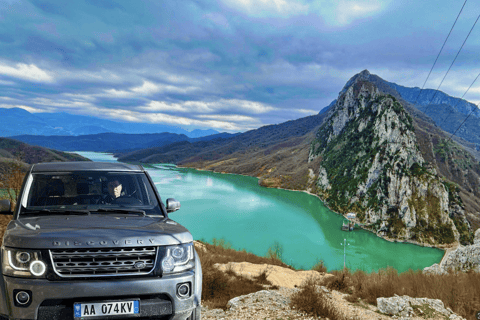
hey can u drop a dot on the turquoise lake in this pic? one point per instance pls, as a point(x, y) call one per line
point(235, 208)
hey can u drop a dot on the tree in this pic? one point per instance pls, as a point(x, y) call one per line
point(12, 173)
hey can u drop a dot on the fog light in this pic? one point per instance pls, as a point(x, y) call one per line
point(22, 297)
point(183, 290)
point(37, 268)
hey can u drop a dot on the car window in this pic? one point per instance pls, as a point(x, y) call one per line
point(91, 191)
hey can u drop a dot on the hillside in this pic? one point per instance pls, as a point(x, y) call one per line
point(404, 167)
point(275, 152)
point(111, 142)
point(371, 164)
point(15, 150)
point(444, 111)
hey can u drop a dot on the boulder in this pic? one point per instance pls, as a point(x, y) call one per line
point(476, 240)
point(405, 307)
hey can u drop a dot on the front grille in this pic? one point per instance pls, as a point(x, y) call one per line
point(71, 263)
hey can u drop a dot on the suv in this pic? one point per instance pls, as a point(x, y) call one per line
point(92, 240)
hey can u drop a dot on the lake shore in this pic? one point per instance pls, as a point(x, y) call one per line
point(445, 247)
point(337, 225)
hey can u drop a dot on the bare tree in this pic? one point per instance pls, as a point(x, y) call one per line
point(12, 172)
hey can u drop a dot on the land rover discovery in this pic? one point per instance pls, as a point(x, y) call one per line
point(93, 240)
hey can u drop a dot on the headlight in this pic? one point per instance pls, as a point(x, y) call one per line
point(23, 263)
point(178, 258)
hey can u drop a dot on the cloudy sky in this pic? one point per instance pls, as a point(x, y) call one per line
point(230, 65)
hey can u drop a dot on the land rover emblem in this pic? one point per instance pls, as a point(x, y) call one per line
point(139, 265)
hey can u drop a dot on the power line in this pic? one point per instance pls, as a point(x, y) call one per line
point(458, 101)
point(426, 108)
point(463, 122)
point(439, 53)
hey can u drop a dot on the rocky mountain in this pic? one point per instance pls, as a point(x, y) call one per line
point(66, 124)
point(372, 164)
point(370, 152)
point(447, 112)
point(432, 98)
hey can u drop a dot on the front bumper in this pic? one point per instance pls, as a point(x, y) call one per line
point(54, 300)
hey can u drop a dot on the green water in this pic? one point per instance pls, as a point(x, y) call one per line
point(235, 208)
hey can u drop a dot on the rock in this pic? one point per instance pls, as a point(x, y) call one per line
point(476, 240)
point(463, 258)
point(434, 269)
point(371, 137)
point(404, 307)
point(395, 306)
point(235, 302)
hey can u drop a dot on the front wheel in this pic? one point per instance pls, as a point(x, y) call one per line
point(196, 314)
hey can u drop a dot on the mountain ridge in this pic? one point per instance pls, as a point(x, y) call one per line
point(62, 123)
point(111, 141)
point(278, 155)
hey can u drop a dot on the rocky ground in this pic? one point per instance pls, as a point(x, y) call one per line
point(275, 303)
point(459, 258)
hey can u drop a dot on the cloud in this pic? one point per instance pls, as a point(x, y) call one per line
point(348, 11)
point(61, 103)
point(29, 72)
point(334, 13)
point(232, 105)
point(28, 108)
point(224, 124)
point(233, 118)
point(146, 89)
point(268, 7)
point(307, 111)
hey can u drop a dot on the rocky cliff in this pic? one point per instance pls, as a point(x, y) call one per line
point(370, 152)
point(371, 164)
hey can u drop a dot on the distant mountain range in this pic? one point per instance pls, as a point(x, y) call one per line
point(370, 151)
point(112, 142)
point(447, 112)
point(17, 121)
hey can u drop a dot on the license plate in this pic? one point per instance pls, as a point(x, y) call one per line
point(107, 308)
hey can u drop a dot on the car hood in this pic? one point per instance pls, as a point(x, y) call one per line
point(93, 231)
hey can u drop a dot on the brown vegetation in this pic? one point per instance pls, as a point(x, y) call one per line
point(12, 173)
point(458, 291)
point(312, 300)
point(219, 287)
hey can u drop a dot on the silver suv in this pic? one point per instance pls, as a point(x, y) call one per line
point(93, 240)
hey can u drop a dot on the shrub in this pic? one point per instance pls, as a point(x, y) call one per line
point(340, 281)
point(312, 300)
point(320, 267)
point(219, 287)
point(458, 291)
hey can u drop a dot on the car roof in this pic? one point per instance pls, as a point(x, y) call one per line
point(85, 166)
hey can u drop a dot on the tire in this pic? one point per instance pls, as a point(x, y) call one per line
point(196, 314)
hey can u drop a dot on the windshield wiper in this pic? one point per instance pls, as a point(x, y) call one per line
point(56, 211)
point(119, 210)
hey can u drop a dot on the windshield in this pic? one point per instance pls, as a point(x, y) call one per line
point(90, 192)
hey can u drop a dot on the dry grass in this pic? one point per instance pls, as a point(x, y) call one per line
point(320, 267)
point(219, 287)
point(313, 300)
point(458, 291)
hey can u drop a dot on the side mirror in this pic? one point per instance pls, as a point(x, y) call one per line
point(172, 205)
point(5, 207)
